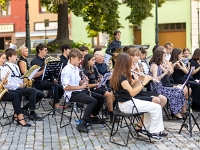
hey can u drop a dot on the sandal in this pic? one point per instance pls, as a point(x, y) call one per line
point(139, 128)
point(162, 134)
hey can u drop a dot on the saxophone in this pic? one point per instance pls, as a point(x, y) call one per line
point(3, 82)
point(50, 59)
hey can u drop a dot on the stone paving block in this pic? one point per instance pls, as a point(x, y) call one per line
point(47, 134)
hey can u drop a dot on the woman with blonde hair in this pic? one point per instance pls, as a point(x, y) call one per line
point(23, 62)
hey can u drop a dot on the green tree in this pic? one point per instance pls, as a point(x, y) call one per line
point(101, 15)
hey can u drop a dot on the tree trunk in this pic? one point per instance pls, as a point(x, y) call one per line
point(63, 29)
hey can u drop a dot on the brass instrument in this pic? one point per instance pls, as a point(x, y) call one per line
point(50, 59)
point(3, 82)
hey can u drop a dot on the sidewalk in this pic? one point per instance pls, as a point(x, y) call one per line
point(47, 134)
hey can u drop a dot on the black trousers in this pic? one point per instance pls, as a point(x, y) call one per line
point(93, 103)
point(58, 89)
point(34, 96)
point(14, 97)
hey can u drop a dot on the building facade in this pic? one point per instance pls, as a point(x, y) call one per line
point(177, 21)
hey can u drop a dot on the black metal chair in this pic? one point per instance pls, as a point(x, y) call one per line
point(43, 103)
point(75, 107)
point(131, 117)
point(5, 115)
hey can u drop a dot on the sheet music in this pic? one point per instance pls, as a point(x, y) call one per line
point(107, 58)
point(52, 69)
point(31, 72)
point(104, 79)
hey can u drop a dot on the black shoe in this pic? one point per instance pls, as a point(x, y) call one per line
point(23, 125)
point(117, 119)
point(95, 120)
point(35, 116)
point(82, 127)
point(26, 113)
point(79, 105)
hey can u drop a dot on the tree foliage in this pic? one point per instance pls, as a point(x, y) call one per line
point(140, 10)
point(101, 15)
point(3, 4)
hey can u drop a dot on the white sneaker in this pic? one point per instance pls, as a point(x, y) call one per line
point(143, 133)
point(155, 137)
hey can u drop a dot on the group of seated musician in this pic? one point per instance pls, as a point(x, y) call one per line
point(129, 73)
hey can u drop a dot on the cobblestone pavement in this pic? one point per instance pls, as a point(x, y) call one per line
point(47, 135)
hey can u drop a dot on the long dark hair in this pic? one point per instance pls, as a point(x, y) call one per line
point(157, 57)
point(87, 58)
point(196, 54)
point(122, 66)
point(175, 53)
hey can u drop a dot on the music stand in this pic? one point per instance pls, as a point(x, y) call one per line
point(52, 71)
point(189, 114)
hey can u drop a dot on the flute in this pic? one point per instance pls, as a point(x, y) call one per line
point(141, 74)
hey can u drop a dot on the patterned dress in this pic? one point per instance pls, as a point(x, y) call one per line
point(175, 96)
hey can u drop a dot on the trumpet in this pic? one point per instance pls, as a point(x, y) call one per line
point(143, 75)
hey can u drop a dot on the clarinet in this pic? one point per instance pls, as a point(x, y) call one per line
point(99, 75)
point(85, 80)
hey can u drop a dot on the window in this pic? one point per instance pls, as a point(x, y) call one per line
point(6, 12)
point(172, 27)
point(100, 40)
point(42, 9)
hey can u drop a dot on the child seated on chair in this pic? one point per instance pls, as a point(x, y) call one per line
point(76, 90)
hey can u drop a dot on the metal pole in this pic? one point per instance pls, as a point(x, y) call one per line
point(28, 45)
point(198, 27)
point(156, 37)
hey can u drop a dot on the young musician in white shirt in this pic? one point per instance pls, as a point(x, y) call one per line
point(76, 90)
point(16, 83)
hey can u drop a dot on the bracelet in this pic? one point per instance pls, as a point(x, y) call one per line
point(142, 84)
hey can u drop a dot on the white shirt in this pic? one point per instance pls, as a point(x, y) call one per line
point(70, 76)
point(168, 56)
point(145, 66)
point(13, 82)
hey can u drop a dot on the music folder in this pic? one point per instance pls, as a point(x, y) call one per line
point(31, 72)
point(188, 77)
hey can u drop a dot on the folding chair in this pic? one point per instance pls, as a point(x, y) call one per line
point(48, 95)
point(167, 111)
point(75, 107)
point(4, 114)
point(131, 117)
